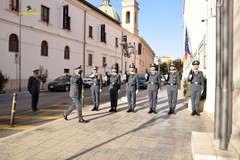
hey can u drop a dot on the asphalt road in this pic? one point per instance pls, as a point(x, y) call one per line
point(51, 105)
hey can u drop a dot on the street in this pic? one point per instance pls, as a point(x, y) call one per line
point(51, 105)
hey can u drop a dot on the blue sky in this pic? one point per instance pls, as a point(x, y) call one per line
point(160, 24)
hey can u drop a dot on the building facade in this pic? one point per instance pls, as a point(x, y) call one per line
point(201, 23)
point(60, 35)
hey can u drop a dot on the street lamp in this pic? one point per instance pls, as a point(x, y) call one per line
point(20, 44)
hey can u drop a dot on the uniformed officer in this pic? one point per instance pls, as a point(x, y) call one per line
point(96, 87)
point(114, 87)
point(173, 84)
point(196, 79)
point(75, 93)
point(154, 85)
point(132, 86)
point(34, 89)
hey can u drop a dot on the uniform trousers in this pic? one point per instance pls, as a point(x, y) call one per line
point(131, 97)
point(152, 95)
point(172, 92)
point(35, 97)
point(76, 104)
point(114, 98)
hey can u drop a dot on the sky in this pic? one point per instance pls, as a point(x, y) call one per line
point(160, 24)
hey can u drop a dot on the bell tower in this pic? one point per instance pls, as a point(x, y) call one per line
point(130, 15)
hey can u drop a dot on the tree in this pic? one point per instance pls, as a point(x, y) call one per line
point(43, 75)
point(3, 81)
point(164, 68)
point(179, 64)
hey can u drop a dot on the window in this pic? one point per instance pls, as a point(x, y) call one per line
point(66, 18)
point(90, 32)
point(44, 14)
point(116, 42)
point(13, 43)
point(90, 59)
point(14, 5)
point(66, 53)
point(128, 17)
point(103, 33)
point(66, 70)
point(44, 48)
point(104, 64)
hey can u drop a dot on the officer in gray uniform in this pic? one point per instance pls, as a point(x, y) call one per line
point(196, 79)
point(173, 84)
point(154, 85)
point(132, 86)
point(96, 87)
point(114, 87)
point(75, 94)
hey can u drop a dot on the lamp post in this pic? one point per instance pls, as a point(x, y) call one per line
point(20, 44)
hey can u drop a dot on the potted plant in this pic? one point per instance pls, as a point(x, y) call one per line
point(187, 94)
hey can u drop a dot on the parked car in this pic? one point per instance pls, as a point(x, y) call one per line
point(87, 82)
point(142, 82)
point(61, 83)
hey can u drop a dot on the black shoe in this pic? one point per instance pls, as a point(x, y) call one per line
point(36, 109)
point(111, 110)
point(133, 111)
point(150, 111)
point(193, 113)
point(82, 121)
point(198, 114)
point(65, 117)
point(115, 110)
point(129, 110)
point(94, 109)
point(154, 111)
point(170, 111)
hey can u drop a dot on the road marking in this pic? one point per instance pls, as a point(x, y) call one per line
point(16, 127)
point(33, 117)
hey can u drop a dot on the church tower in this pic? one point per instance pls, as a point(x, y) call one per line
point(130, 16)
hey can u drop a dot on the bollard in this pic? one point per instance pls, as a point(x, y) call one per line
point(83, 95)
point(14, 101)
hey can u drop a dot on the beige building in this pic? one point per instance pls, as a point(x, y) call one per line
point(62, 34)
point(200, 19)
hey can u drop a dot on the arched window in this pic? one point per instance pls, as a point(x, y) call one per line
point(128, 17)
point(66, 53)
point(13, 43)
point(44, 48)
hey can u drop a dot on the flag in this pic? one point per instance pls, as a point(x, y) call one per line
point(187, 52)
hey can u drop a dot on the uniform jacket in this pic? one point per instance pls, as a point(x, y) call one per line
point(196, 80)
point(115, 81)
point(74, 88)
point(132, 80)
point(173, 78)
point(33, 85)
point(154, 80)
point(97, 80)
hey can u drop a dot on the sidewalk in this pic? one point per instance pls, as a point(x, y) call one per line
point(112, 136)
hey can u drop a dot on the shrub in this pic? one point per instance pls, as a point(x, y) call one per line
point(43, 75)
point(3, 81)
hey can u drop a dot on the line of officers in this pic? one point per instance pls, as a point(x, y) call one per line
point(153, 80)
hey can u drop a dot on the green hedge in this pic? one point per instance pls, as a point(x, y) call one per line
point(3, 81)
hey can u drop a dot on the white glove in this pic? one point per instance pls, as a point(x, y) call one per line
point(91, 76)
point(190, 77)
point(201, 92)
point(100, 90)
point(136, 91)
point(159, 90)
point(118, 90)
